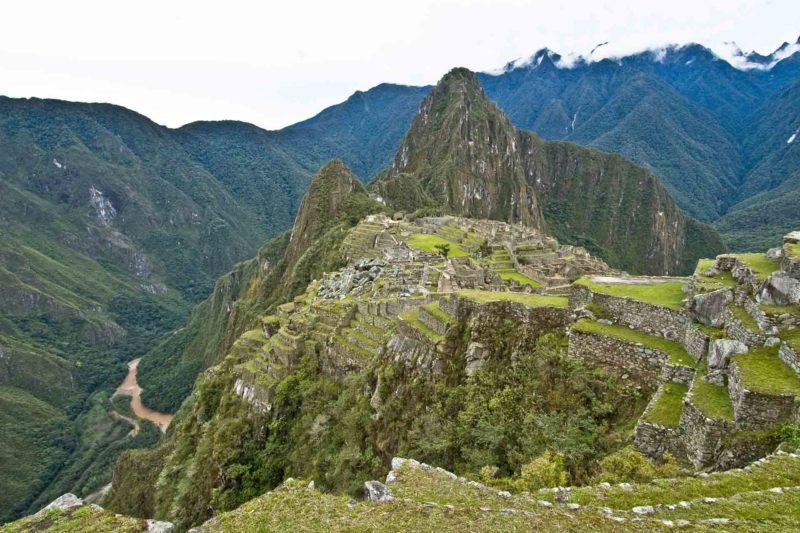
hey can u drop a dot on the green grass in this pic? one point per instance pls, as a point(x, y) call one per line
point(520, 278)
point(721, 280)
point(666, 410)
point(792, 338)
point(84, 518)
point(427, 243)
point(668, 294)
point(775, 310)
point(792, 249)
point(675, 351)
point(763, 371)
point(412, 317)
point(744, 317)
point(531, 300)
point(712, 332)
point(712, 400)
point(434, 309)
point(761, 265)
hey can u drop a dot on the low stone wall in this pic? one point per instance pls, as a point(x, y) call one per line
point(758, 315)
point(654, 440)
point(696, 343)
point(543, 317)
point(677, 374)
point(702, 436)
point(628, 359)
point(755, 409)
point(790, 356)
point(646, 317)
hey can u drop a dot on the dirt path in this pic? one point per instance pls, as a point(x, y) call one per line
point(130, 387)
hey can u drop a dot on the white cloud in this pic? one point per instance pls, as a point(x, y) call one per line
point(276, 63)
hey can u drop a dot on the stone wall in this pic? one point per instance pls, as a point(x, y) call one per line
point(677, 374)
point(696, 343)
point(543, 317)
point(411, 347)
point(654, 440)
point(646, 317)
point(702, 436)
point(391, 307)
point(790, 356)
point(755, 409)
point(627, 359)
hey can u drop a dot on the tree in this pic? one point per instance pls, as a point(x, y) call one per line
point(443, 249)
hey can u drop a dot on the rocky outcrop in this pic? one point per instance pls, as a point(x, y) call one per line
point(721, 350)
point(709, 308)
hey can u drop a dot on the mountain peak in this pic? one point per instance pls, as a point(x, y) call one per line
point(461, 150)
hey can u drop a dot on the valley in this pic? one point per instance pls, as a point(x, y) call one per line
point(561, 295)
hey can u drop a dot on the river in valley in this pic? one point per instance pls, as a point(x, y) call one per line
point(130, 387)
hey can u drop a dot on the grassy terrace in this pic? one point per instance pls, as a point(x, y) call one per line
point(763, 371)
point(434, 309)
point(774, 310)
point(531, 300)
point(793, 249)
point(412, 317)
point(427, 243)
point(712, 283)
point(666, 410)
point(792, 338)
point(761, 265)
point(712, 400)
point(519, 278)
point(667, 294)
point(745, 318)
point(675, 351)
point(781, 471)
point(714, 333)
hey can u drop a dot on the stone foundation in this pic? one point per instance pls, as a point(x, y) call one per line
point(628, 359)
point(790, 356)
point(756, 409)
point(702, 436)
point(696, 343)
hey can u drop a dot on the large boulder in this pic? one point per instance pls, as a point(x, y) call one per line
point(709, 307)
point(722, 349)
point(65, 502)
point(779, 289)
point(378, 492)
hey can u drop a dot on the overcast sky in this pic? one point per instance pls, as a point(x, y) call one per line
point(275, 63)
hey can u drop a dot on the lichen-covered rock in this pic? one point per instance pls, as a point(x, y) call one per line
point(779, 289)
point(722, 349)
point(64, 502)
point(709, 307)
point(378, 492)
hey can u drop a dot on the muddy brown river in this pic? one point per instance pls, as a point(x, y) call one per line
point(130, 387)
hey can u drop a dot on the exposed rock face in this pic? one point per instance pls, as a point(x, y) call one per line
point(709, 307)
point(463, 154)
point(779, 289)
point(723, 349)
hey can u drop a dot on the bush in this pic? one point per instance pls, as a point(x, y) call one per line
point(631, 465)
point(790, 435)
point(547, 470)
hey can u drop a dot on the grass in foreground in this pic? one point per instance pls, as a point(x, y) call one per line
point(667, 295)
point(666, 410)
point(76, 520)
point(531, 300)
point(428, 243)
point(721, 280)
point(675, 351)
point(763, 371)
point(712, 400)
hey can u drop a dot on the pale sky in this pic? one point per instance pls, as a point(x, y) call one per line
point(275, 63)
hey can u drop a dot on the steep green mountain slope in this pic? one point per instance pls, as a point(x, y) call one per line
point(463, 154)
point(283, 267)
point(112, 226)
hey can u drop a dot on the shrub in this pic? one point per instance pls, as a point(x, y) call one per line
point(631, 465)
point(547, 470)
